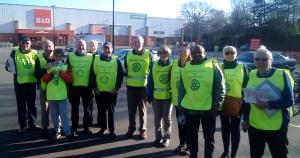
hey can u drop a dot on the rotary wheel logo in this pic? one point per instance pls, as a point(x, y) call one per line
point(27, 64)
point(163, 78)
point(227, 87)
point(104, 79)
point(136, 67)
point(80, 73)
point(195, 85)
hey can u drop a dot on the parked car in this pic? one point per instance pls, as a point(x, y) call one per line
point(279, 60)
point(70, 48)
point(122, 52)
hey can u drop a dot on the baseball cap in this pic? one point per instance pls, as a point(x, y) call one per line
point(107, 44)
point(25, 38)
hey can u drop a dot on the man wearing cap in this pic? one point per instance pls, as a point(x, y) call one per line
point(108, 78)
point(137, 63)
point(21, 63)
point(80, 62)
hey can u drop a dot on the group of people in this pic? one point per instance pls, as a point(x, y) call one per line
point(200, 88)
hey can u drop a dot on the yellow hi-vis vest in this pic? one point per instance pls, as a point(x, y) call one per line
point(234, 81)
point(43, 64)
point(25, 66)
point(81, 66)
point(56, 89)
point(161, 81)
point(175, 79)
point(106, 73)
point(198, 82)
point(258, 118)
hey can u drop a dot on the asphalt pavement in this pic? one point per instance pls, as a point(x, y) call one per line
point(30, 144)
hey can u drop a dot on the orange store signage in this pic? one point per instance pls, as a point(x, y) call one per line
point(42, 17)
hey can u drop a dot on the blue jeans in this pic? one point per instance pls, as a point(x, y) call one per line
point(59, 109)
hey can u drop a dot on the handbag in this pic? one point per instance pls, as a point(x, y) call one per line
point(232, 106)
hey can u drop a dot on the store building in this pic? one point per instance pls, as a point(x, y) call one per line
point(64, 25)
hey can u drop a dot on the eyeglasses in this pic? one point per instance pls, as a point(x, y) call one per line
point(261, 59)
point(229, 53)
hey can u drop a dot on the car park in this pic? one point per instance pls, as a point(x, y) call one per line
point(70, 48)
point(279, 60)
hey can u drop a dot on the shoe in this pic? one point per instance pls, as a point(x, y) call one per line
point(34, 128)
point(101, 132)
point(233, 155)
point(87, 132)
point(225, 155)
point(21, 130)
point(143, 135)
point(44, 133)
point(129, 134)
point(71, 138)
point(166, 142)
point(112, 135)
point(57, 136)
point(157, 143)
point(181, 150)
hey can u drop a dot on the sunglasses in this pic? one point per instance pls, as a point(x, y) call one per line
point(229, 53)
point(261, 59)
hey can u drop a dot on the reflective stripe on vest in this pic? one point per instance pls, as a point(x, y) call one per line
point(161, 81)
point(175, 79)
point(25, 66)
point(197, 82)
point(234, 80)
point(138, 69)
point(43, 64)
point(81, 66)
point(106, 73)
point(259, 118)
point(56, 89)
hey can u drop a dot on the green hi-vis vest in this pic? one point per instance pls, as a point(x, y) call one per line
point(198, 82)
point(25, 65)
point(161, 80)
point(43, 64)
point(138, 69)
point(106, 73)
point(56, 89)
point(81, 66)
point(258, 118)
point(234, 81)
point(175, 79)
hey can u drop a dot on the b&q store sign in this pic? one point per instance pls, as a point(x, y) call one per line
point(42, 17)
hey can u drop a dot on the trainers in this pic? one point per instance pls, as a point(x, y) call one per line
point(143, 135)
point(112, 134)
point(129, 134)
point(34, 128)
point(157, 143)
point(225, 155)
point(181, 150)
point(101, 132)
point(44, 133)
point(166, 142)
point(71, 138)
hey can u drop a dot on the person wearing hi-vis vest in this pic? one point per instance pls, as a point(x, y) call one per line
point(107, 80)
point(80, 63)
point(178, 64)
point(41, 62)
point(159, 93)
point(21, 63)
point(265, 119)
point(201, 92)
point(236, 78)
point(137, 64)
point(57, 77)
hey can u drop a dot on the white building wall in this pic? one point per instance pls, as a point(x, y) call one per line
point(170, 27)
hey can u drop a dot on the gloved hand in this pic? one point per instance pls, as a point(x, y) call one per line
point(149, 99)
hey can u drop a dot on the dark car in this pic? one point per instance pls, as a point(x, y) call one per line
point(279, 60)
point(70, 48)
point(122, 52)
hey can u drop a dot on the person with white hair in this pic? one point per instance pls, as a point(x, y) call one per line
point(93, 47)
point(80, 63)
point(263, 126)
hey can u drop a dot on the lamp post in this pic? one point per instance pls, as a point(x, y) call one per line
point(113, 25)
point(53, 26)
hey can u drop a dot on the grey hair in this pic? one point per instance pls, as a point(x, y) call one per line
point(263, 49)
point(46, 42)
point(140, 38)
point(226, 48)
point(82, 41)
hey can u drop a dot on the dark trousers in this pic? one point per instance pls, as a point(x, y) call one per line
point(106, 102)
point(276, 140)
point(137, 99)
point(85, 94)
point(25, 96)
point(230, 127)
point(208, 120)
point(182, 130)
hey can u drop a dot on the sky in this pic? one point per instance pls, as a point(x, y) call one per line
point(153, 8)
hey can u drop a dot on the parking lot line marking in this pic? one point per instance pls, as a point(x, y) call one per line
point(297, 126)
